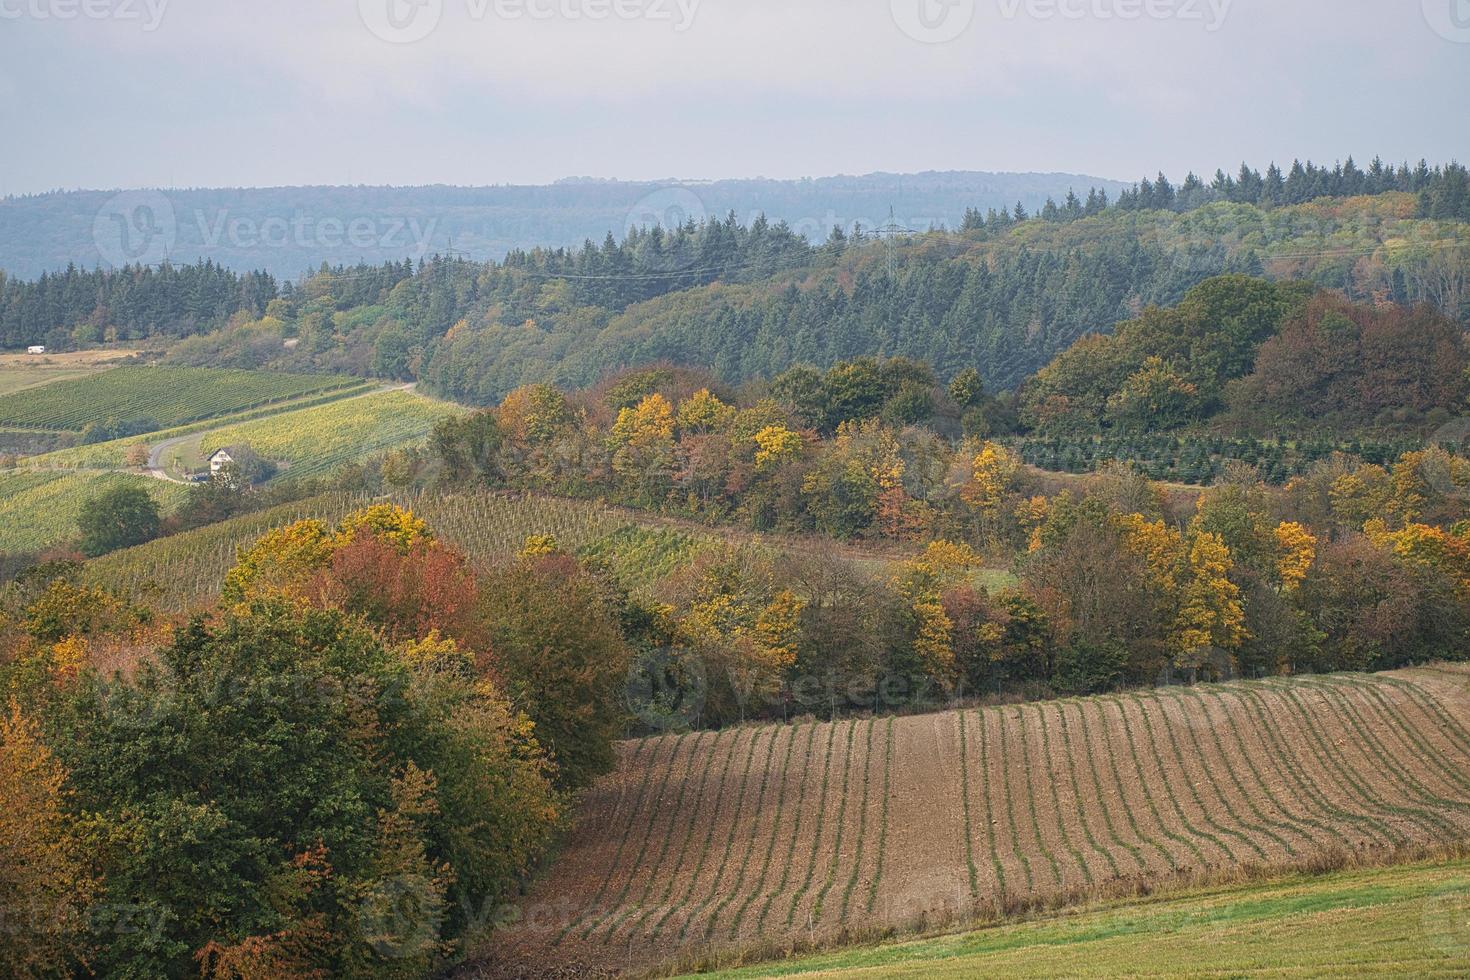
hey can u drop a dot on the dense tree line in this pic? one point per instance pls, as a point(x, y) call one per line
point(1257, 356)
point(77, 307)
point(345, 769)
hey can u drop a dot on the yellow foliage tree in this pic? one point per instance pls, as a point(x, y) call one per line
point(45, 884)
point(703, 412)
point(1296, 550)
point(776, 444)
point(992, 474)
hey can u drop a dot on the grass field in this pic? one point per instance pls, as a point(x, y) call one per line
point(19, 372)
point(40, 509)
point(817, 832)
point(1410, 920)
point(163, 396)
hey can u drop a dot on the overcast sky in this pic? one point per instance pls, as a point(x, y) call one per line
point(171, 93)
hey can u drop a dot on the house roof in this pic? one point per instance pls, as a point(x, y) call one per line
point(219, 451)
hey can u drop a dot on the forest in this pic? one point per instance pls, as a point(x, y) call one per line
point(1002, 294)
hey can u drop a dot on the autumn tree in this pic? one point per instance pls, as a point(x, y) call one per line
point(46, 878)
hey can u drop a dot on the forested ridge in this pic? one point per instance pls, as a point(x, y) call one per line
point(1003, 294)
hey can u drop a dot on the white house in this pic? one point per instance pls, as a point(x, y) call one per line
point(219, 459)
point(36, 349)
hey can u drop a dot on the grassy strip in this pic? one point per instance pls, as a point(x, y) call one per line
point(729, 842)
point(1387, 834)
point(1184, 821)
point(1261, 825)
point(965, 808)
point(1107, 811)
point(1076, 799)
point(1378, 922)
point(882, 818)
point(821, 899)
point(1005, 773)
point(755, 827)
point(709, 835)
point(1296, 822)
point(786, 865)
point(759, 887)
point(667, 836)
point(811, 865)
point(592, 906)
point(857, 859)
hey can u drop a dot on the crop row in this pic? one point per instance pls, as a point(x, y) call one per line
point(770, 835)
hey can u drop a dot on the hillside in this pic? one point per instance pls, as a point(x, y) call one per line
point(236, 227)
point(818, 832)
point(1391, 921)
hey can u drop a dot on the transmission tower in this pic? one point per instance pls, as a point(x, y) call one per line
point(890, 233)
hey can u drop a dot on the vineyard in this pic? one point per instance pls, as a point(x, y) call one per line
point(815, 832)
point(154, 397)
point(40, 509)
point(185, 571)
point(315, 441)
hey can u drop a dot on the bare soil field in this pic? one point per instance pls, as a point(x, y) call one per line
point(819, 833)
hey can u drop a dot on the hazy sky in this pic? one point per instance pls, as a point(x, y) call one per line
point(131, 93)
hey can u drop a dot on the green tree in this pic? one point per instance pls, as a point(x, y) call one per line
point(118, 518)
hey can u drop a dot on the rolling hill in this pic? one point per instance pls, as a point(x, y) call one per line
point(814, 832)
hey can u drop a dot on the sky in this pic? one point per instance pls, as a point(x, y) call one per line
point(109, 94)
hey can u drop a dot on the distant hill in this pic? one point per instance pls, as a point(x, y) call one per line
point(289, 230)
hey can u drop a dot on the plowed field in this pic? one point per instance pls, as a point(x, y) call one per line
point(818, 831)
